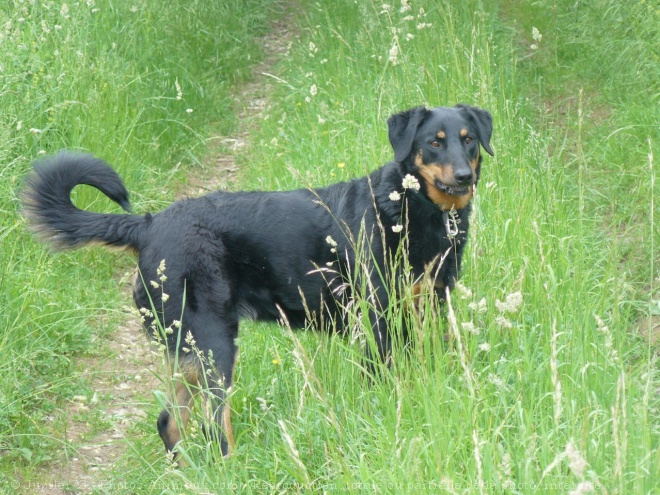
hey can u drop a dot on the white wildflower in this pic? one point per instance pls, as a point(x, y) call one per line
point(331, 241)
point(502, 321)
point(463, 291)
point(479, 307)
point(536, 35)
point(410, 36)
point(164, 297)
point(190, 340)
point(161, 267)
point(64, 11)
point(602, 328)
point(313, 90)
point(495, 380)
point(511, 304)
point(485, 347)
point(386, 8)
point(394, 55)
point(469, 327)
point(405, 6)
point(576, 462)
point(395, 196)
point(397, 228)
point(154, 284)
point(410, 182)
point(179, 93)
point(176, 323)
point(189, 110)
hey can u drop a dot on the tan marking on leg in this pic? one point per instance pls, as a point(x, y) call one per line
point(226, 415)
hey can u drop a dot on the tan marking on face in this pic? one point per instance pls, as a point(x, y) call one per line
point(441, 135)
point(431, 172)
point(464, 132)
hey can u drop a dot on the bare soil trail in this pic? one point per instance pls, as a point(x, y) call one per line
point(123, 379)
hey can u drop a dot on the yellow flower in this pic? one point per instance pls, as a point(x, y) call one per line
point(276, 361)
point(341, 165)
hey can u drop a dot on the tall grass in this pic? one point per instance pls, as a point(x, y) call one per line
point(542, 385)
point(141, 85)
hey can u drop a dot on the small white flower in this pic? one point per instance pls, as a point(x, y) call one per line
point(395, 196)
point(511, 304)
point(154, 284)
point(176, 323)
point(485, 347)
point(410, 182)
point(576, 462)
point(410, 36)
point(164, 297)
point(394, 55)
point(179, 93)
point(503, 322)
point(313, 90)
point(495, 380)
point(397, 228)
point(405, 6)
point(19, 125)
point(536, 35)
point(469, 327)
point(189, 110)
point(331, 241)
point(463, 291)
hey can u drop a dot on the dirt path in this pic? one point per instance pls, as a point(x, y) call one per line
point(123, 380)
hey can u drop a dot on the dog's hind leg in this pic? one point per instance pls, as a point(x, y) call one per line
point(215, 337)
point(174, 417)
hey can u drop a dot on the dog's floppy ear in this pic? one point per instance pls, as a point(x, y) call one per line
point(483, 123)
point(402, 128)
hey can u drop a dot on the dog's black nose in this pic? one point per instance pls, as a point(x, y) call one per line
point(463, 177)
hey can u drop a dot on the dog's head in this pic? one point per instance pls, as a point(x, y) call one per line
point(440, 146)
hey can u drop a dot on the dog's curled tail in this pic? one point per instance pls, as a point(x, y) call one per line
point(52, 216)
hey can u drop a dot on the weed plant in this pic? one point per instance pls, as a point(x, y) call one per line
point(542, 384)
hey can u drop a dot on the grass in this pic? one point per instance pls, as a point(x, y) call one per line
point(140, 85)
point(555, 395)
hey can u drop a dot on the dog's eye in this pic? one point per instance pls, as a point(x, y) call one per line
point(468, 140)
point(435, 143)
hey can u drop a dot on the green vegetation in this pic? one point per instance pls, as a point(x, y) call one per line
point(138, 83)
point(546, 387)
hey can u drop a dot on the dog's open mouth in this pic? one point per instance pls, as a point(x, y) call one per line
point(453, 190)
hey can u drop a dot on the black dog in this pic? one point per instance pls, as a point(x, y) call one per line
point(264, 254)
